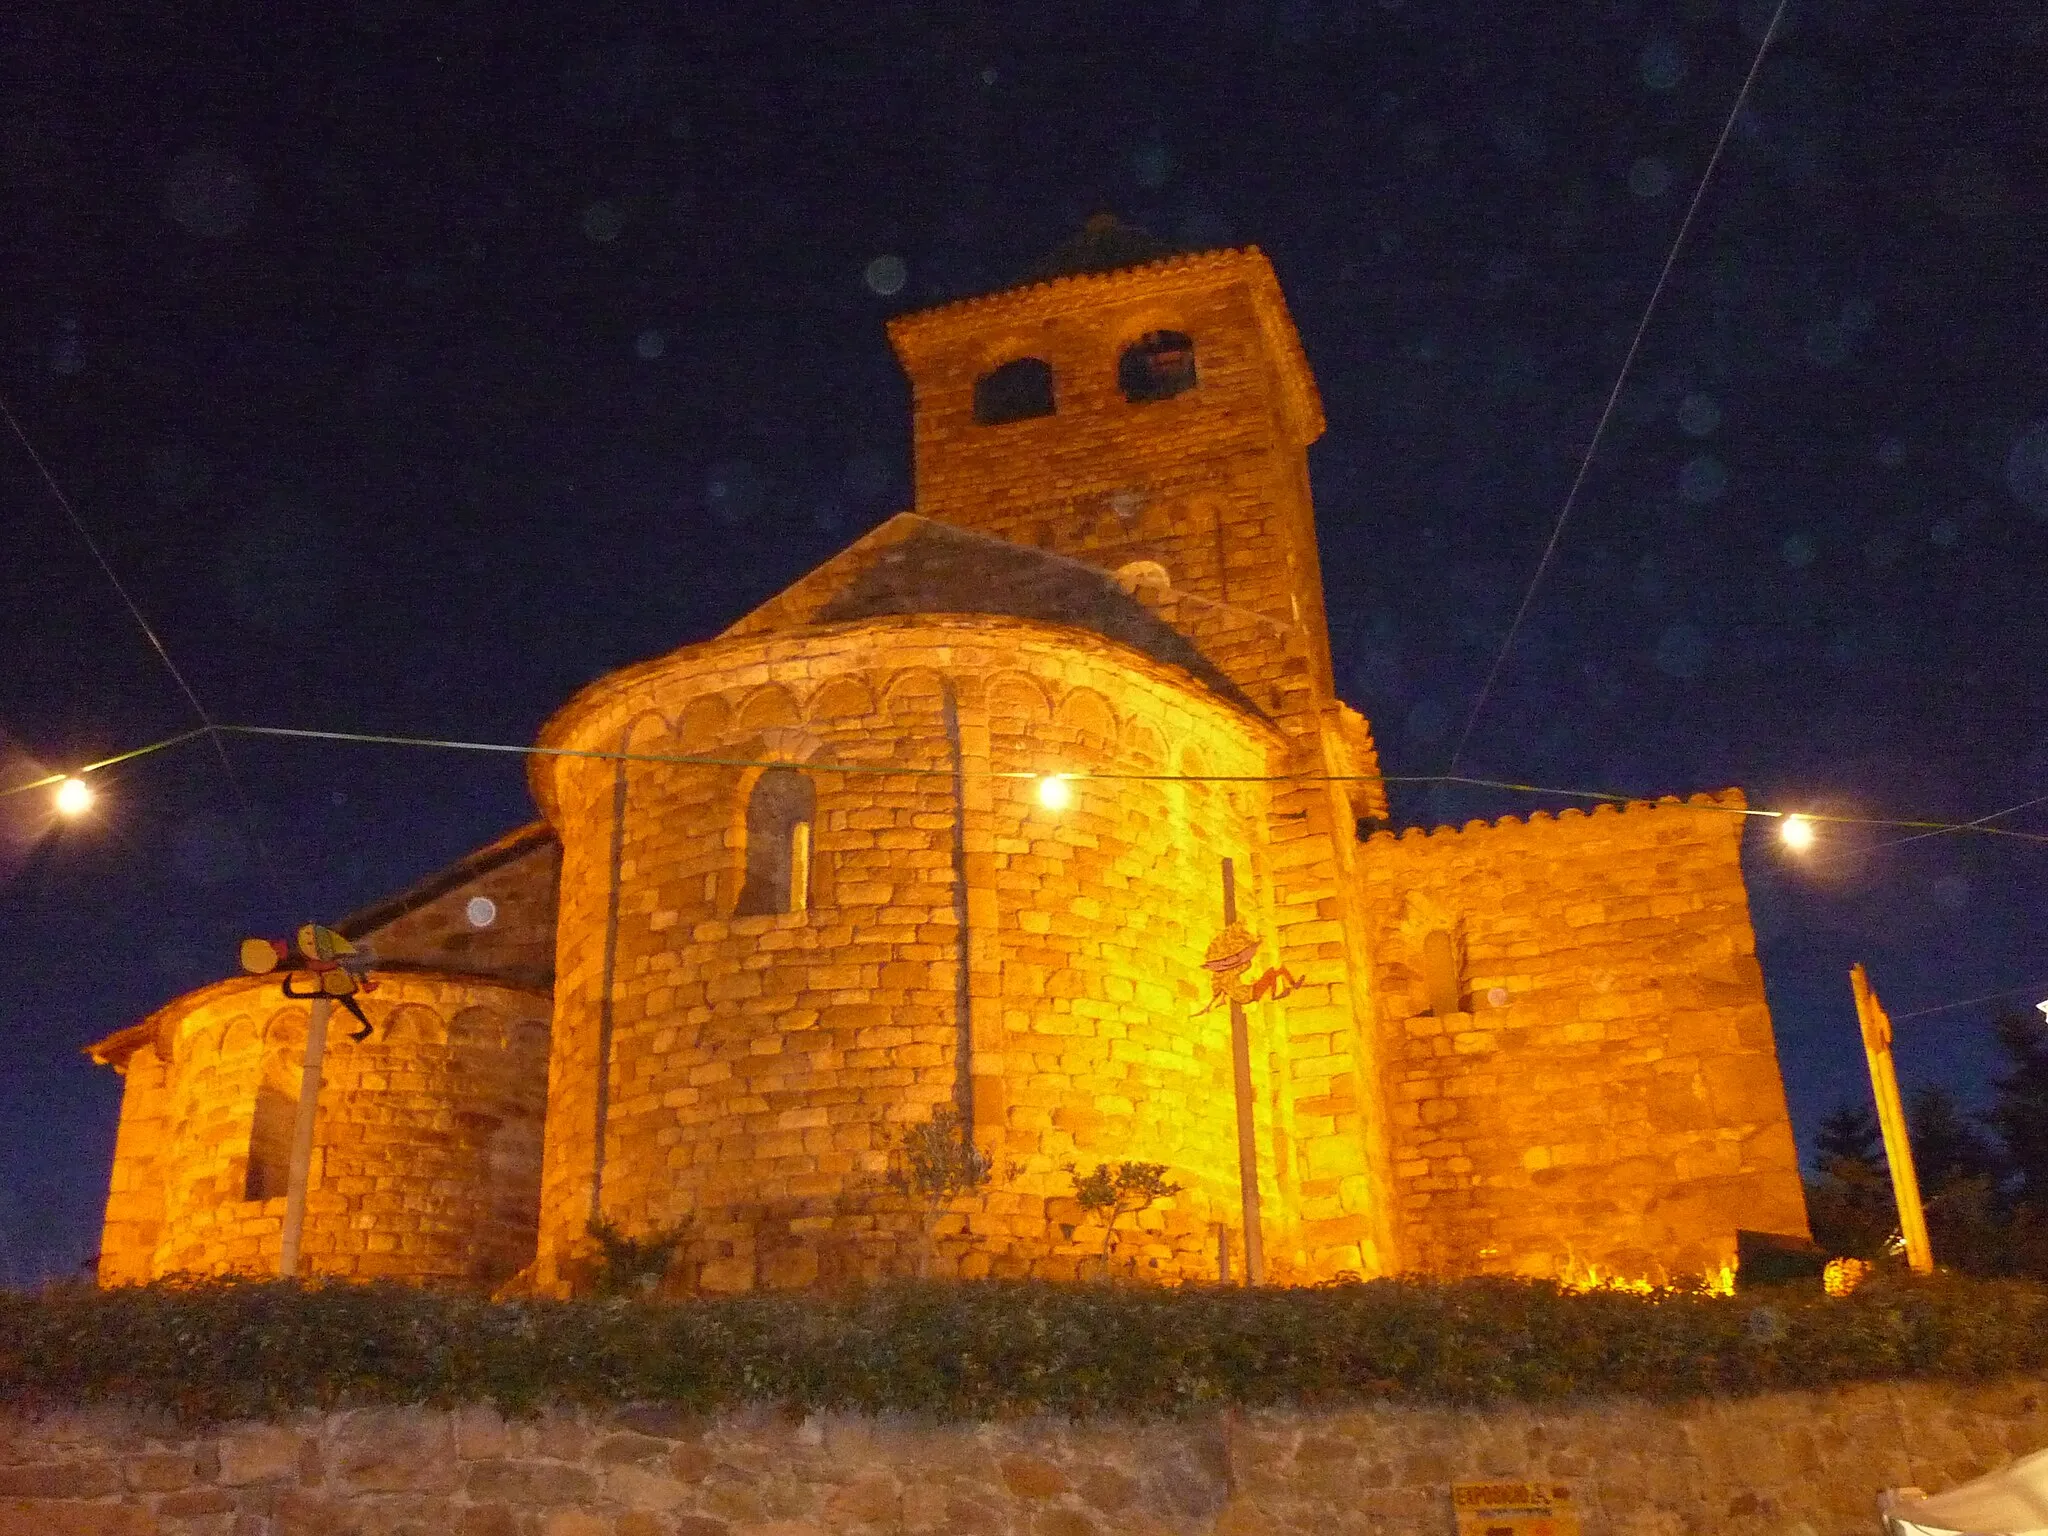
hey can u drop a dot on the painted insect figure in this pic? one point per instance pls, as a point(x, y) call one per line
point(1229, 961)
point(323, 959)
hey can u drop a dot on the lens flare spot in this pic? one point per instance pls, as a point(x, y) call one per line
point(1649, 177)
point(885, 276)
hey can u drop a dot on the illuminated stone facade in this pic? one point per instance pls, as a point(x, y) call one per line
point(1538, 1048)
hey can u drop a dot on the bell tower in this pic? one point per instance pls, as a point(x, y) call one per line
point(1148, 413)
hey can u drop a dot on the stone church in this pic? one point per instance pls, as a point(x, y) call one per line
point(1036, 803)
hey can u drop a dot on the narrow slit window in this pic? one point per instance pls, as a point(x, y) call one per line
point(780, 812)
point(1017, 391)
point(270, 1144)
point(1157, 366)
point(1440, 972)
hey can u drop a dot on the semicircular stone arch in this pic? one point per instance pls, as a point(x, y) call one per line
point(843, 698)
point(1017, 696)
point(769, 705)
point(1144, 747)
point(285, 1029)
point(1089, 715)
point(704, 722)
point(408, 1027)
point(475, 1031)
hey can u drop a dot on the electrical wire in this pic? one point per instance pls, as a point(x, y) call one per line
point(49, 779)
point(1900, 842)
point(1614, 394)
point(208, 726)
point(1969, 1002)
point(907, 770)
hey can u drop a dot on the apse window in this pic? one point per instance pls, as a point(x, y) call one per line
point(270, 1144)
point(1157, 366)
point(780, 813)
point(1017, 391)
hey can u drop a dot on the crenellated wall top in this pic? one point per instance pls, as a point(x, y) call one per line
point(1728, 800)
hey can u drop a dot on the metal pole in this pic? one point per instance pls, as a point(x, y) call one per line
point(1247, 1130)
point(1891, 1120)
point(302, 1138)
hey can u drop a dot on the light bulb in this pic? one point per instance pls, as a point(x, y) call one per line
point(74, 797)
point(1797, 832)
point(1053, 792)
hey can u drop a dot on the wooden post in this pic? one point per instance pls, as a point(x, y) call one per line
point(302, 1138)
point(1891, 1120)
point(1247, 1130)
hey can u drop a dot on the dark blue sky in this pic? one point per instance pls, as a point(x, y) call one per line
point(417, 362)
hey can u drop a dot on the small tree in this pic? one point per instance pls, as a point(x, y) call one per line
point(1117, 1190)
point(936, 1163)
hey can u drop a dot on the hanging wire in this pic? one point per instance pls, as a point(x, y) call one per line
point(1968, 826)
point(1614, 394)
point(49, 779)
point(1971, 1002)
point(900, 770)
point(208, 726)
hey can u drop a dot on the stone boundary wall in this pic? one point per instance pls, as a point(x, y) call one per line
point(1809, 1464)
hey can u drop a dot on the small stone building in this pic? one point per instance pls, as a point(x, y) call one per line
point(799, 889)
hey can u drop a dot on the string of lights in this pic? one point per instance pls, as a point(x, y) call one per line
point(1621, 377)
point(1789, 821)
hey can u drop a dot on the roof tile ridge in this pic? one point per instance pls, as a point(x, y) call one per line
point(1180, 260)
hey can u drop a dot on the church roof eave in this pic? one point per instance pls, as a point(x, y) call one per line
point(618, 689)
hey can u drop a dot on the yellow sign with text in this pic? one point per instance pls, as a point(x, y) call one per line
point(1515, 1509)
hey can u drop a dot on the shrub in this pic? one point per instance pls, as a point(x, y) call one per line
point(936, 1163)
point(991, 1349)
point(634, 1266)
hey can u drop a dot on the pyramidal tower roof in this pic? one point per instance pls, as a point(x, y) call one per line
point(1104, 244)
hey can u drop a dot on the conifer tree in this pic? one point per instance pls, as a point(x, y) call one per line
point(2019, 1113)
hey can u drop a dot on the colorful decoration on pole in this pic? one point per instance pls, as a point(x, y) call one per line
point(1231, 956)
point(326, 965)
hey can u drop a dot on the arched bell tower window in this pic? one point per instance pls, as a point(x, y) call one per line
point(1157, 366)
point(1017, 391)
point(780, 813)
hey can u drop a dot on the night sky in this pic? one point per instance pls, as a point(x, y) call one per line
point(418, 363)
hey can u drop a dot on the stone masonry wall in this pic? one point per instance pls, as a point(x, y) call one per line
point(426, 1150)
point(1804, 1463)
point(1606, 1092)
point(1212, 485)
point(762, 1067)
point(430, 927)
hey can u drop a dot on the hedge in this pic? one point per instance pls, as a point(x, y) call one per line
point(987, 1350)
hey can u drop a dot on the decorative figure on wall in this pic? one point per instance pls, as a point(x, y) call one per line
point(338, 970)
point(331, 966)
point(1229, 961)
